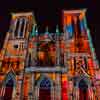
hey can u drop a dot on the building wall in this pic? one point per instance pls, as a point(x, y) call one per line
point(65, 81)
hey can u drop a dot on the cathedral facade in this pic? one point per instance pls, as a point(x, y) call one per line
point(49, 66)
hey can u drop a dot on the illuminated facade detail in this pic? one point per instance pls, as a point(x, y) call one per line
point(49, 66)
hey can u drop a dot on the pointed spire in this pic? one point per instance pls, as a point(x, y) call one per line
point(57, 30)
point(46, 31)
point(36, 31)
point(33, 31)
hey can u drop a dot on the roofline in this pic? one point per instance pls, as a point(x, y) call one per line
point(74, 11)
point(22, 14)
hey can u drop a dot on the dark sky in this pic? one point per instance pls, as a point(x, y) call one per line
point(49, 12)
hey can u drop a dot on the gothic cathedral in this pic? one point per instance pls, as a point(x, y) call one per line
point(49, 66)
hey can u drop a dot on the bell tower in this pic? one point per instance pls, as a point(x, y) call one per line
point(21, 24)
point(14, 52)
point(81, 59)
point(17, 36)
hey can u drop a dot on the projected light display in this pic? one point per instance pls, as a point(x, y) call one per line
point(49, 66)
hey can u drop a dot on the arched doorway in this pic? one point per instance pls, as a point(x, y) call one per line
point(45, 89)
point(8, 90)
point(83, 90)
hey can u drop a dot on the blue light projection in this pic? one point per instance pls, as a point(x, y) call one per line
point(82, 25)
point(45, 83)
point(69, 29)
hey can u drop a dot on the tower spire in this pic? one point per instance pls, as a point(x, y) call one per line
point(46, 31)
point(57, 30)
point(46, 35)
point(33, 31)
point(36, 31)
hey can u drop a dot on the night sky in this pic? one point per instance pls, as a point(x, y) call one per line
point(49, 12)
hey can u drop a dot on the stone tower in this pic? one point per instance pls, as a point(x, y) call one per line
point(81, 59)
point(13, 56)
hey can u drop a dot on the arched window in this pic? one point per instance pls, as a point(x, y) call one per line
point(8, 90)
point(83, 90)
point(73, 27)
point(45, 89)
point(17, 27)
point(22, 27)
point(8, 87)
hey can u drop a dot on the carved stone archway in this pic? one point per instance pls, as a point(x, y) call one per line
point(87, 83)
point(8, 87)
point(48, 85)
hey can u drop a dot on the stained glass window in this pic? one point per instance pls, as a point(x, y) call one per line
point(45, 92)
point(45, 83)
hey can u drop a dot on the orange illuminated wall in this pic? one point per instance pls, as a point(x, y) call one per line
point(83, 40)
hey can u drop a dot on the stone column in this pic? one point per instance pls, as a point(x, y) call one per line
point(34, 54)
point(33, 81)
point(18, 90)
point(27, 59)
point(36, 93)
point(91, 95)
point(58, 87)
point(76, 93)
point(31, 89)
point(0, 65)
point(14, 27)
point(24, 30)
point(70, 90)
point(66, 49)
point(2, 92)
point(57, 51)
point(21, 85)
point(52, 93)
point(14, 93)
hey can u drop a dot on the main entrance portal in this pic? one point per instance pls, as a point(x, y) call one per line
point(45, 89)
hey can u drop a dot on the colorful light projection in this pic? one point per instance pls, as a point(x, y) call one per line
point(64, 88)
point(46, 54)
point(82, 23)
point(68, 26)
point(45, 88)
